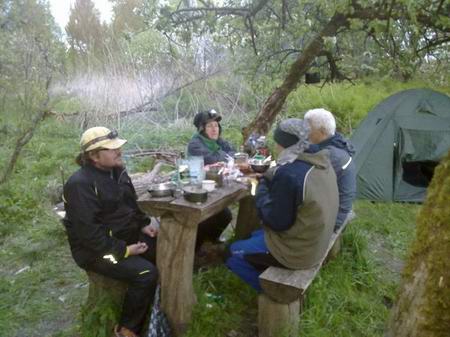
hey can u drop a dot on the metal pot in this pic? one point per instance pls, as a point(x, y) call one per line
point(195, 194)
point(162, 190)
point(259, 165)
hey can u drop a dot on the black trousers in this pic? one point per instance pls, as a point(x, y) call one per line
point(141, 275)
point(211, 228)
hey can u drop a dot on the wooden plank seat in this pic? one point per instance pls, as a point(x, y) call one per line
point(103, 305)
point(279, 305)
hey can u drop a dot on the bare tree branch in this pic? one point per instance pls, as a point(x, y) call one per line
point(252, 33)
point(434, 43)
point(274, 103)
point(202, 11)
point(258, 7)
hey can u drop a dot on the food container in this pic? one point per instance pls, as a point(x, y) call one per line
point(215, 173)
point(194, 193)
point(240, 158)
point(259, 165)
point(162, 190)
point(208, 185)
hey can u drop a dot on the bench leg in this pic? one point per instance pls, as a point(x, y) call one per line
point(103, 306)
point(277, 319)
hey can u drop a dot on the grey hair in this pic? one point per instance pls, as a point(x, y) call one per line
point(321, 119)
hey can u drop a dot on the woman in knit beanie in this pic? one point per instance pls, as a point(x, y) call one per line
point(207, 141)
point(208, 144)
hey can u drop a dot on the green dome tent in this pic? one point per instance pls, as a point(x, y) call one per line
point(399, 144)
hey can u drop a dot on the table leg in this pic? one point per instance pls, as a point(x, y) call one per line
point(175, 260)
point(247, 220)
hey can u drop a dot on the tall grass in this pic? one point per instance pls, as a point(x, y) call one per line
point(350, 103)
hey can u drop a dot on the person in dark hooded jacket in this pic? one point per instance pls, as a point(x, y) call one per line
point(207, 141)
point(208, 144)
point(323, 135)
point(297, 203)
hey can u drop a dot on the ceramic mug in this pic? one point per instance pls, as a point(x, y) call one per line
point(208, 185)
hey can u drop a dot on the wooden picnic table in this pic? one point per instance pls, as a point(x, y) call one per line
point(176, 243)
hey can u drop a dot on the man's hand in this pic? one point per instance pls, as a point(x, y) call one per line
point(150, 231)
point(137, 248)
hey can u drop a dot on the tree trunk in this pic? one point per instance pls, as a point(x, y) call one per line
point(264, 119)
point(423, 304)
point(23, 140)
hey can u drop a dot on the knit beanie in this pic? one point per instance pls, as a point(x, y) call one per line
point(204, 117)
point(291, 131)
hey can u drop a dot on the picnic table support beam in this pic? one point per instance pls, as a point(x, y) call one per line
point(175, 258)
point(247, 220)
point(176, 246)
point(278, 319)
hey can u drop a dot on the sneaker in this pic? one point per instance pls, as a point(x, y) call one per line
point(351, 215)
point(123, 332)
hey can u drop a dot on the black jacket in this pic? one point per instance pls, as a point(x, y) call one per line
point(102, 215)
point(197, 147)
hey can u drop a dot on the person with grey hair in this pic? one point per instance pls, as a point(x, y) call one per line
point(323, 135)
point(297, 204)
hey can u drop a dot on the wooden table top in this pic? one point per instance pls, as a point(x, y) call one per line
point(217, 200)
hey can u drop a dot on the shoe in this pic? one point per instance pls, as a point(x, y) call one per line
point(351, 215)
point(123, 332)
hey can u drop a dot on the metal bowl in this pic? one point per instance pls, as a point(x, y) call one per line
point(162, 190)
point(195, 194)
point(258, 165)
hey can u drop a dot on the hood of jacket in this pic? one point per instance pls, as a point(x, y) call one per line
point(319, 159)
point(337, 141)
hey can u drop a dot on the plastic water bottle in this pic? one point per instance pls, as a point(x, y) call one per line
point(196, 171)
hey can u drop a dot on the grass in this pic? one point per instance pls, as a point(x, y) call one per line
point(42, 289)
point(353, 293)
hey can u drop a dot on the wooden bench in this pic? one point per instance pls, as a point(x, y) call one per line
point(103, 306)
point(279, 306)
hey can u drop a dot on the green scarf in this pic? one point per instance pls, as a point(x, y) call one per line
point(210, 143)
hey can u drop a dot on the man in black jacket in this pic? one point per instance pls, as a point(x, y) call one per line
point(107, 232)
